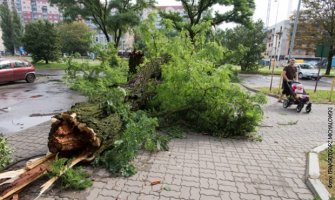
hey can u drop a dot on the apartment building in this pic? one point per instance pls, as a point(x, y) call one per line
point(31, 10)
point(278, 43)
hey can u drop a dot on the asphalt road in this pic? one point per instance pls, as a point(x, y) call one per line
point(256, 80)
point(23, 105)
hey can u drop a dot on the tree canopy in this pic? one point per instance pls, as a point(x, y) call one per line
point(12, 29)
point(322, 12)
point(112, 17)
point(245, 44)
point(75, 37)
point(42, 41)
point(308, 33)
point(197, 12)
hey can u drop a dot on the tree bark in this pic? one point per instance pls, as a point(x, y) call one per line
point(330, 56)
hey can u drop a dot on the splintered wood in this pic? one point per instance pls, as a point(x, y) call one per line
point(25, 178)
point(68, 137)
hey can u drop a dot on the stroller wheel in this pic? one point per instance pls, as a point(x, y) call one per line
point(286, 103)
point(300, 107)
point(308, 108)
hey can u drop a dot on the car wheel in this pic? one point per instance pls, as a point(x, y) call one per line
point(300, 75)
point(30, 78)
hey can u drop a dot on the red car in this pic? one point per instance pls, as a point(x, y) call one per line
point(15, 70)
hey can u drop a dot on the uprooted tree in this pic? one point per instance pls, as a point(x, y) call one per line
point(180, 83)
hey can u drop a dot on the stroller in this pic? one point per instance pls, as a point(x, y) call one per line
point(298, 96)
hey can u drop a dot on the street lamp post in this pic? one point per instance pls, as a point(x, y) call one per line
point(294, 29)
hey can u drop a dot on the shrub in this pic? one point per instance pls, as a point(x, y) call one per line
point(5, 152)
point(76, 55)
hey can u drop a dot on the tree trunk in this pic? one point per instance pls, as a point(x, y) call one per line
point(46, 61)
point(330, 56)
point(106, 35)
point(117, 38)
point(69, 136)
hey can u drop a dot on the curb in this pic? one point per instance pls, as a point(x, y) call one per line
point(276, 96)
point(257, 91)
point(313, 173)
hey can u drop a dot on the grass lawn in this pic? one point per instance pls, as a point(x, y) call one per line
point(324, 177)
point(63, 64)
point(321, 96)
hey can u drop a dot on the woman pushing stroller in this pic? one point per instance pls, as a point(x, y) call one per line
point(290, 73)
point(294, 90)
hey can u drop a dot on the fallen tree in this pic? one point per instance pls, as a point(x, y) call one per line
point(179, 83)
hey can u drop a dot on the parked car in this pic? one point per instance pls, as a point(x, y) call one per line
point(15, 70)
point(306, 70)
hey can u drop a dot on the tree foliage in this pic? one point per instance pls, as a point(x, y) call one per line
point(322, 12)
point(75, 37)
point(123, 130)
point(308, 33)
point(245, 45)
point(12, 29)
point(113, 17)
point(194, 89)
point(5, 152)
point(41, 39)
point(197, 12)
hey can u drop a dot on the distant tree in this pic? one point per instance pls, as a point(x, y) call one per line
point(12, 29)
point(199, 11)
point(112, 17)
point(308, 33)
point(322, 14)
point(41, 39)
point(246, 45)
point(75, 37)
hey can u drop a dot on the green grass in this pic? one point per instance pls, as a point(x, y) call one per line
point(61, 65)
point(51, 65)
point(324, 177)
point(321, 96)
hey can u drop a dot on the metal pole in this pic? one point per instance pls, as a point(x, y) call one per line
point(268, 14)
point(273, 65)
point(294, 29)
point(332, 90)
point(317, 79)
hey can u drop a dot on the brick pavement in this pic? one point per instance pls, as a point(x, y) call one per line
point(204, 167)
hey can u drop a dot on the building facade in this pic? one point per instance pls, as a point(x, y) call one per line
point(278, 43)
point(30, 10)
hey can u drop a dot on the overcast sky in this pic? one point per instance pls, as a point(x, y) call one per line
point(285, 8)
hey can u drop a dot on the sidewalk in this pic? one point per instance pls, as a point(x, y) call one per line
point(204, 167)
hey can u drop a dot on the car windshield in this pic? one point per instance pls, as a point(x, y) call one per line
point(4, 64)
point(307, 67)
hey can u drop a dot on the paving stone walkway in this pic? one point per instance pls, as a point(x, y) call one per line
point(204, 167)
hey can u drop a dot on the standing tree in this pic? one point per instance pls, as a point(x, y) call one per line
point(322, 12)
point(41, 39)
point(246, 44)
point(12, 29)
point(75, 37)
point(112, 17)
point(199, 11)
point(308, 33)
